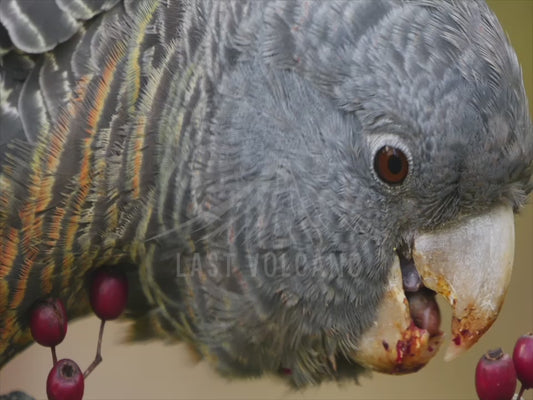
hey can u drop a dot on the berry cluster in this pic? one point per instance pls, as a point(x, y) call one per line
point(496, 372)
point(48, 324)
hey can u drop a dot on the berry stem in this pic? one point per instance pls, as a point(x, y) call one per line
point(521, 392)
point(98, 358)
point(54, 355)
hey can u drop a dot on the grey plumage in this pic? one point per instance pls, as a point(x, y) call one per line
point(38, 26)
point(243, 133)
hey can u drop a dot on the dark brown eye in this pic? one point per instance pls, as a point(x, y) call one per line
point(391, 165)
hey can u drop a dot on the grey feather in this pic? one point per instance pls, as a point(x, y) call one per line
point(37, 26)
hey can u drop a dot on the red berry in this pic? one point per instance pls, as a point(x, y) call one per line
point(286, 371)
point(109, 293)
point(523, 360)
point(48, 322)
point(65, 381)
point(495, 376)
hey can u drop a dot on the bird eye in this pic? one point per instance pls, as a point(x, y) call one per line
point(391, 165)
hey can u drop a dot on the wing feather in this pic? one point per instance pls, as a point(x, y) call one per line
point(38, 26)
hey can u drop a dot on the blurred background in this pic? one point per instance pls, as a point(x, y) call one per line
point(159, 371)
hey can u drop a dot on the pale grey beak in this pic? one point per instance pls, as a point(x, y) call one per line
point(468, 263)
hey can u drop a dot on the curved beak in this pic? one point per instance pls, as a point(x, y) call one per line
point(469, 264)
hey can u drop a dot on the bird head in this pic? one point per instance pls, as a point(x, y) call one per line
point(349, 172)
